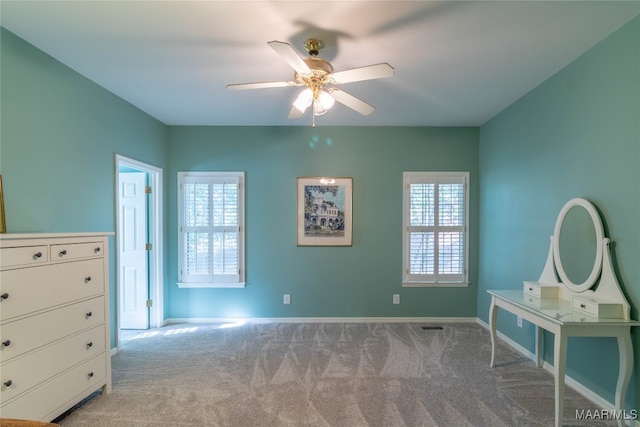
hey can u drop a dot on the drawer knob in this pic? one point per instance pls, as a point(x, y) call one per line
point(63, 252)
point(8, 383)
point(6, 343)
point(89, 314)
point(87, 279)
point(97, 250)
point(37, 255)
point(583, 306)
point(530, 289)
point(4, 296)
point(89, 345)
point(90, 374)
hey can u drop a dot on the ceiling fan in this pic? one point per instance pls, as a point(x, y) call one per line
point(317, 75)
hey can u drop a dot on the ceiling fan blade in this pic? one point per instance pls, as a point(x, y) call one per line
point(352, 102)
point(261, 85)
point(295, 113)
point(290, 55)
point(370, 72)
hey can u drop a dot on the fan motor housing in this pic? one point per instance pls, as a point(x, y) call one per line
point(320, 69)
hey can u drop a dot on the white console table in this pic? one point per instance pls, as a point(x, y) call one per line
point(558, 317)
point(579, 254)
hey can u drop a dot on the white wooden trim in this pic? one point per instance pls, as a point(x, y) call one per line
point(231, 285)
point(156, 312)
point(435, 284)
point(238, 177)
point(24, 236)
point(430, 176)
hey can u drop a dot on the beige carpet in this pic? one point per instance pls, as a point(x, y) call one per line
point(333, 374)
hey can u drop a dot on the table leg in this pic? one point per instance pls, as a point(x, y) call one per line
point(625, 352)
point(493, 312)
point(539, 346)
point(559, 364)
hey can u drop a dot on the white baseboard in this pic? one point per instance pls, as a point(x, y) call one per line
point(242, 320)
point(591, 395)
point(177, 320)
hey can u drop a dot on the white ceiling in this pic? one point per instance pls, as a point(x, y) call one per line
point(457, 63)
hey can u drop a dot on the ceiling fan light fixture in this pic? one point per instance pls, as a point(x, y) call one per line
point(326, 100)
point(318, 109)
point(323, 103)
point(304, 100)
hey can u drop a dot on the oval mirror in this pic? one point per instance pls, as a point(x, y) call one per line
point(578, 245)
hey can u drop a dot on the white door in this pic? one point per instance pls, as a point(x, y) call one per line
point(134, 283)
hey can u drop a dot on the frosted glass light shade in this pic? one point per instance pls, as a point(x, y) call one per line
point(323, 103)
point(304, 100)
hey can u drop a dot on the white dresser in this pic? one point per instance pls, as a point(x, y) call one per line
point(54, 322)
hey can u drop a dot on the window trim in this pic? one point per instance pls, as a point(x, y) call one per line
point(240, 177)
point(407, 280)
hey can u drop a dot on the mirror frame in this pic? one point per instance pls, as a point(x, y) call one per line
point(597, 265)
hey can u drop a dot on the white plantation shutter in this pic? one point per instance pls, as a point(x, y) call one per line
point(211, 228)
point(435, 224)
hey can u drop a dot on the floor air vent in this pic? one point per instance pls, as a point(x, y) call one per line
point(432, 328)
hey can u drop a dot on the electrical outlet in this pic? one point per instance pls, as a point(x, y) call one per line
point(519, 321)
point(287, 299)
point(396, 299)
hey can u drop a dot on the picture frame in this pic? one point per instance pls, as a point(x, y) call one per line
point(3, 221)
point(325, 211)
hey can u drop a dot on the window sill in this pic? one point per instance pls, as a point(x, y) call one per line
point(435, 284)
point(212, 285)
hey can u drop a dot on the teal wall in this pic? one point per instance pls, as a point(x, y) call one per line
point(356, 281)
point(59, 135)
point(576, 135)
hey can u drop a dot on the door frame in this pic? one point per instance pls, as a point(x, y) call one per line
point(154, 174)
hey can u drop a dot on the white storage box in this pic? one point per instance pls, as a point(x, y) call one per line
point(541, 290)
point(597, 308)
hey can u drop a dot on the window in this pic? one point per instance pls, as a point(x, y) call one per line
point(435, 228)
point(211, 229)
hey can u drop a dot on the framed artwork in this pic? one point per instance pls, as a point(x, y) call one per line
point(324, 211)
point(3, 222)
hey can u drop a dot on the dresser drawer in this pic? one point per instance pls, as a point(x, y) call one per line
point(26, 372)
point(55, 396)
point(28, 290)
point(540, 290)
point(71, 251)
point(598, 308)
point(24, 255)
point(36, 331)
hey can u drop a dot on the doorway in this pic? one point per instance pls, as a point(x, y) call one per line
point(139, 245)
